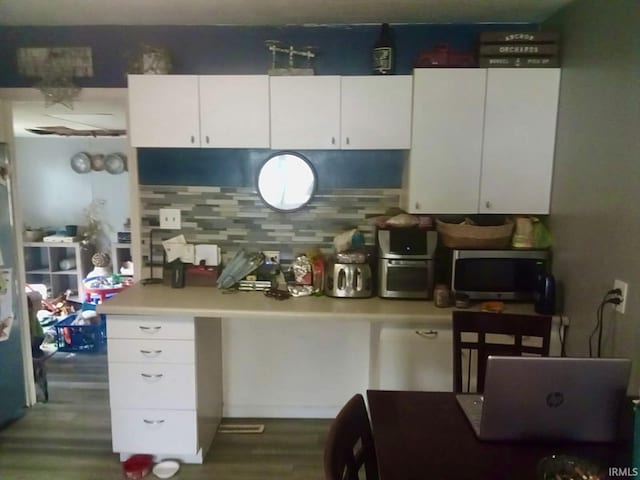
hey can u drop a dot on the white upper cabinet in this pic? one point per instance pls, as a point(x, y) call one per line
point(164, 111)
point(224, 111)
point(376, 112)
point(234, 111)
point(483, 141)
point(443, 172)
point(519, 139)
point(305, 112)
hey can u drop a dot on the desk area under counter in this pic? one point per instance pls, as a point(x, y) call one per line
point(247, 355)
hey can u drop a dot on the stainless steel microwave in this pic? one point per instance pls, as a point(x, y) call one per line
point(498, 274)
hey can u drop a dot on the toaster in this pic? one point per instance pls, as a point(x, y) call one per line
point(348, 280)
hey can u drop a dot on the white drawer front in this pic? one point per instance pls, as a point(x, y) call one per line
point(151, 351)
point(143, 385)
point(150, 327)
point(154, 431)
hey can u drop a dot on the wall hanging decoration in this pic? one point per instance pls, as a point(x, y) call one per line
point(113, 163)
point(56, 66)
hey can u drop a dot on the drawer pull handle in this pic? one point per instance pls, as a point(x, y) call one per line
point(151, 353)
point(153, 422)
point(152, 377)
point(149, 329)
point(427, 333)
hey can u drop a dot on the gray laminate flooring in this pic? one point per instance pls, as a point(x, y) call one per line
point(69, 437)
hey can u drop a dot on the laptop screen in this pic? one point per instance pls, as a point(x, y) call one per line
point(564, 398)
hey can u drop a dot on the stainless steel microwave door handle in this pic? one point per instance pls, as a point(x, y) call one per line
point(357, 280)
point(427, 333)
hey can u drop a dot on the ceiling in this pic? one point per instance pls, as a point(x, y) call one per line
point(272, 12)
point(99, 114)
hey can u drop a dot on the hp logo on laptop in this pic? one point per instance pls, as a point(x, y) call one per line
point(555, 399)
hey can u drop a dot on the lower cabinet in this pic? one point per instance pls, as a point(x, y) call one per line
point(165, 380)
point(416, 358)
point(420, 357)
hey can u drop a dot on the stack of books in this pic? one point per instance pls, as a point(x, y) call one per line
point(518, 49)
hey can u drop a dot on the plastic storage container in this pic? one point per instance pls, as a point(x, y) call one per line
point(81, 338)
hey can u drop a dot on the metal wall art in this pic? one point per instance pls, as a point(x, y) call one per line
point(56, 66)
point(279, 50)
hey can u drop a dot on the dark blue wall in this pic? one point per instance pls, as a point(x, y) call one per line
point(239, 167)
point(343, 50)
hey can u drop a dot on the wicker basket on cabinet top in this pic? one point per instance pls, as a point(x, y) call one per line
point(466, 235)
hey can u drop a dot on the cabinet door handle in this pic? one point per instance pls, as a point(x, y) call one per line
point(347, 140)
point(417, 205)
point(487, 204)
point(151, 353)
point(193, 139)
point(427, 333)
point(333, 140)
point(207, 139)
point(153, 422)
point(150, 330)
point(152, 377)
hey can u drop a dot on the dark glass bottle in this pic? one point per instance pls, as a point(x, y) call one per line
point(384, 52)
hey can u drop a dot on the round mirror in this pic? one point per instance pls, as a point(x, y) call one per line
point(286, 181)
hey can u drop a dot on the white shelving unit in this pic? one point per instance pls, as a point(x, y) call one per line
point(45, 264)
point(120, 253)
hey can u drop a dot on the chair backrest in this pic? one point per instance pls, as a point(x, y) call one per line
point(350, 447)
point(494, 334)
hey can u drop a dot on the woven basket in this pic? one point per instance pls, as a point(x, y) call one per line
point(463, 235)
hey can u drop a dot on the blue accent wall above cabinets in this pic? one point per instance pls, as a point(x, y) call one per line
point(342, 49)
point(239, 167)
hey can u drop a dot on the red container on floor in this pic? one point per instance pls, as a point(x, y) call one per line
point(137, 466)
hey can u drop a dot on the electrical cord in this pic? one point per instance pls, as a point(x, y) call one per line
point(599, 320)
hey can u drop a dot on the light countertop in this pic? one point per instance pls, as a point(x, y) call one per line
point(211, 302)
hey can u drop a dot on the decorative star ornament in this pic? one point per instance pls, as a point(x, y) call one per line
point(58, 88)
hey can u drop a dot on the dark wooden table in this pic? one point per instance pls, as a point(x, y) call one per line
point(425, 435)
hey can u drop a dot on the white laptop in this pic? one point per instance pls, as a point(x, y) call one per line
point(525, 398)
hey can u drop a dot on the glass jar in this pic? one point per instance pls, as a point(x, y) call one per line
point(441, 295)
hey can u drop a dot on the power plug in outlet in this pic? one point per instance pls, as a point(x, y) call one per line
point(624, 289)
point(170, 218)
point(272, 256)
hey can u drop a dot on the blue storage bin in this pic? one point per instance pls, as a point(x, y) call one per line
point(81, 338)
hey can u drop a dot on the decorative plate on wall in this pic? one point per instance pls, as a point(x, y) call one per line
point(115, 163)
point(81, 162)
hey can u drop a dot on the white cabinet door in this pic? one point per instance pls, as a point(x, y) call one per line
point(234, 111)
point(519, 140)
point(376, 112)
point(419, 358)
point(305, 112)
point(164, 111)
point(443, 171)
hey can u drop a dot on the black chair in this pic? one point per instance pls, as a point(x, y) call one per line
point(350, 446)
point(494, 334)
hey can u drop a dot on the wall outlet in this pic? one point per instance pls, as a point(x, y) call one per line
point(170, 218)
point(624, 288)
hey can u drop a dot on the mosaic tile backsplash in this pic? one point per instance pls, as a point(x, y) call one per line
point(236, 217)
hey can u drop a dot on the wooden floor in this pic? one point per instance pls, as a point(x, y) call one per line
point(69, 437)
